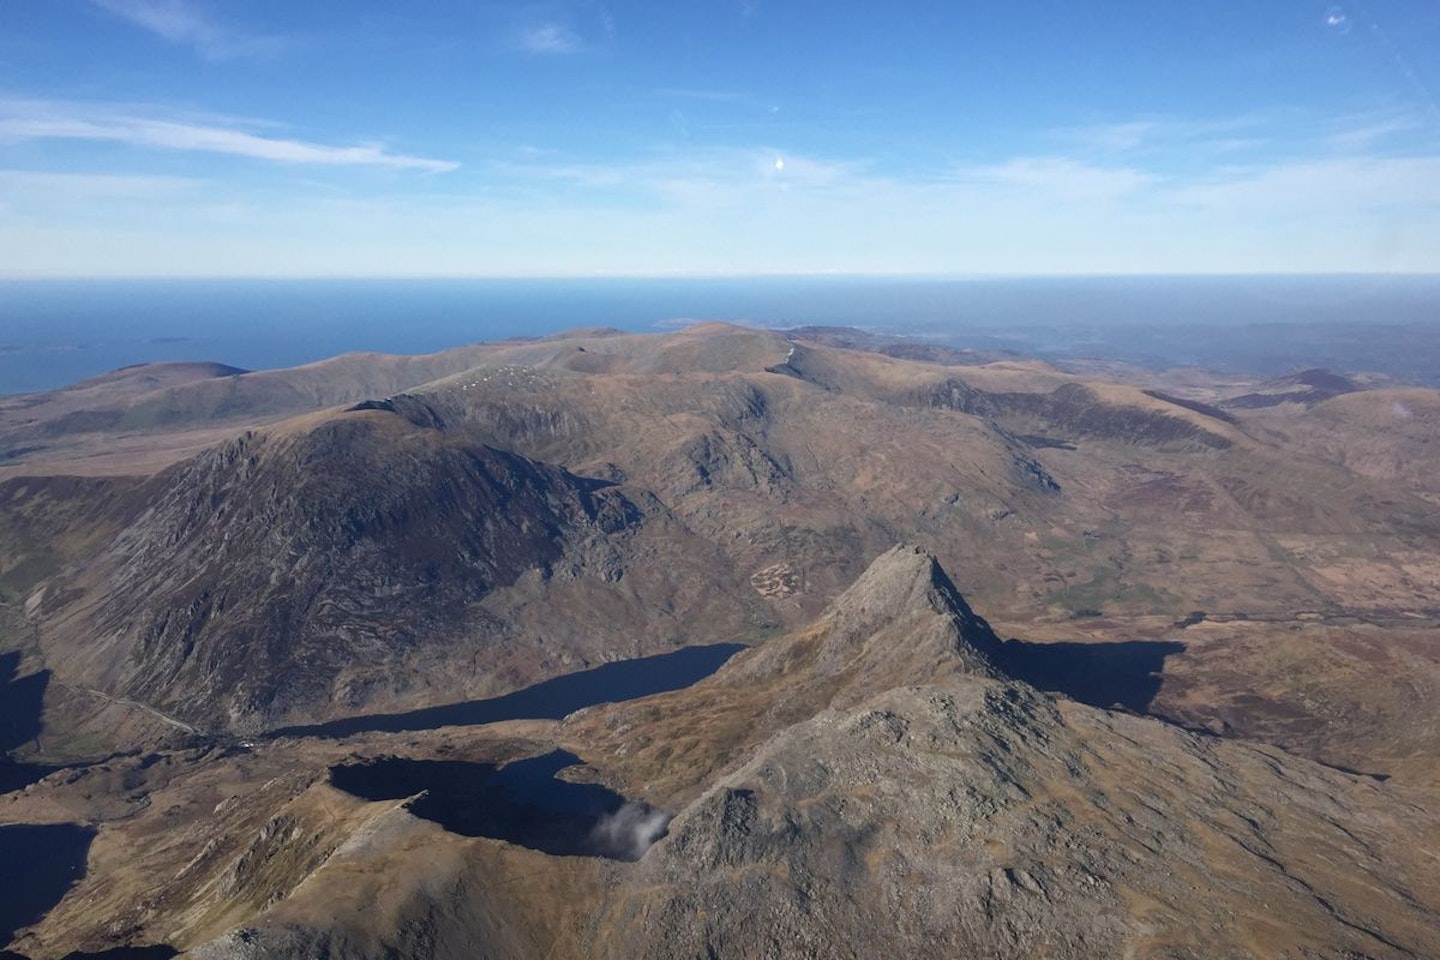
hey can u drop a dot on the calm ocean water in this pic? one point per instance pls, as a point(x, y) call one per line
point(56, 332)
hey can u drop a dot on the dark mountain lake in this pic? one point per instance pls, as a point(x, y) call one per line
point(550, 700)
point(38, 863)
point(522, 802)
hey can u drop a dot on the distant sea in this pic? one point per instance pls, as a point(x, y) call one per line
point(55, 332)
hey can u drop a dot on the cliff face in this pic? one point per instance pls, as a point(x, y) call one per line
point(284, 571)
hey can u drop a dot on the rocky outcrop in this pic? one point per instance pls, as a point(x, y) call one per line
point(976, 817)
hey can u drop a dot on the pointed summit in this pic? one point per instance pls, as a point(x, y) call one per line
point(906, 586)
point(901, 623)
point(904, 619)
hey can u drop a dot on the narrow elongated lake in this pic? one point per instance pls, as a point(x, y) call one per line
point(550, 700)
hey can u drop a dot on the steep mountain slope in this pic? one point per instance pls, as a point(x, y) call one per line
point(901, 622)
point(973, 818)
point(339, 560)
point(951, 812)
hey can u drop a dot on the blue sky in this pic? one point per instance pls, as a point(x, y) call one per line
point(357, 138)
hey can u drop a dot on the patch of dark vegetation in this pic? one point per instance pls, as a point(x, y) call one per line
point(549, 700)
point(1258, 401)
point(1322, 379)
point(1076, 410)
point(1308, 387)
point(926, 351)
point(1071, 410)
point(38, 864)
point(1377, 777)
point(522, 802)
point(956, 394)
point(1106, 675)
point(1044, 443)
point(83, 421)
point(1195, 405)
point(1190, 619)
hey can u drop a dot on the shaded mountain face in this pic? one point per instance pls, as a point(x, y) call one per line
point(314, 564)
point(1308, 387)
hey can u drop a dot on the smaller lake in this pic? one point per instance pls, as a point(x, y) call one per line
point(523, 803)
point(18, 776)
point(38, 864)
point(157, 951)
point(550, 700)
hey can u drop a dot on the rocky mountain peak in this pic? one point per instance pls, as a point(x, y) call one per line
point(905, 602)
point(901, 623)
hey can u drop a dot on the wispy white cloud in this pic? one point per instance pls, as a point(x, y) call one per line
point(736, 210)
point(58, 120)
point(94, 186)
point(549, 38)
point(1360, 135)
point(183, 22)
point(1156, 135)
point(1061, 178)
point(1263, 134)
point(561, 27)
point(1317, 188)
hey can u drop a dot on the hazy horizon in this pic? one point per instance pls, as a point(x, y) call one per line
point(55, 332)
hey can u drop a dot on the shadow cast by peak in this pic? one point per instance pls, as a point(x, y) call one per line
point(22, 703)
point(1125, 674)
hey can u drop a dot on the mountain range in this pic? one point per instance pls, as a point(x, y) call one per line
point(1151, 673)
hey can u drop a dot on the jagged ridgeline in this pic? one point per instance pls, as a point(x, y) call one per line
point(262, 607)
